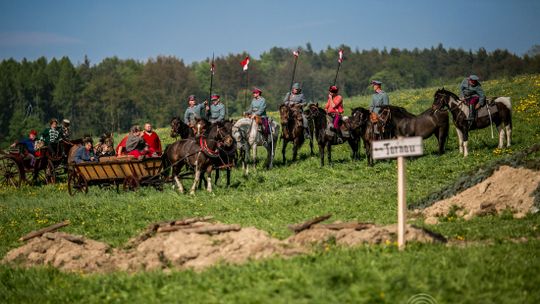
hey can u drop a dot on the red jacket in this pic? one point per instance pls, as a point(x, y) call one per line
point(338, 105)
point(123, 145)
point(153, 141)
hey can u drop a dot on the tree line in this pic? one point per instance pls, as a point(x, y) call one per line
point(115, 94)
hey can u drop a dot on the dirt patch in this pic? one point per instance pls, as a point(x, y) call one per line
point(189, 248)
point(507, 188)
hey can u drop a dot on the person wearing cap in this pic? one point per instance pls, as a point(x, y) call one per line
point(296, 97)
point(52, 137)
point(216, 109)
point(379, 98)
point(85, 153)
point(472, 93)
point(257, 110)
point(334, 108)
point(193, 112)
point(152, 140)
point(28, 143)
point(66, 131)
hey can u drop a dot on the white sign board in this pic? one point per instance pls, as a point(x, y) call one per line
point(403, 146)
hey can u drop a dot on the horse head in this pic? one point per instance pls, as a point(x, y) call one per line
point(359, 118)
point(284, 114)
point(175, 126)
point(441, 99)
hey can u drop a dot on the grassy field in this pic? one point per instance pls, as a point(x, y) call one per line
point(493, 268)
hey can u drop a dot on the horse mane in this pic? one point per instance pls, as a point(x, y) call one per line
point(398, 110)
point(444, 91)
point(359, 109)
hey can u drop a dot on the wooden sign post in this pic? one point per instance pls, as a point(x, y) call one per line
point(399, 148)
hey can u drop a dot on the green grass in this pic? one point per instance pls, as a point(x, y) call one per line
point(491, 269)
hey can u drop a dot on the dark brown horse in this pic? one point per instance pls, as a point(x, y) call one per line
point(325, 140)
point(292, 128)
point(497, 111)
point(178, 127)
point(198, 153)
point(359, 123)
point(428, 123)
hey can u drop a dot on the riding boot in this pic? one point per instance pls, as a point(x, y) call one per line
point(470, 118)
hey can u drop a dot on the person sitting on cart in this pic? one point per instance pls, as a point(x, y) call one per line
point(121, 148)
point(135, 144)
point(52, 137)
point(85, 153)
point(152, 139)
point(28, 144)
point(66, 130)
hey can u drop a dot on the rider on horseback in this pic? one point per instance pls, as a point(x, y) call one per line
point(473, 95)
point(257, 111)
point(216, 110)
point(334, 108)
point(193, 112)
point(380, 98)
point(296, 97)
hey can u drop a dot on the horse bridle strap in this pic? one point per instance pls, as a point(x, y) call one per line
point(204, 147)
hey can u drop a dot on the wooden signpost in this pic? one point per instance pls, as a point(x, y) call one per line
point(399, 148)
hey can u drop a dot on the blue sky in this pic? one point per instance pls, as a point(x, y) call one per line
point(192, 30)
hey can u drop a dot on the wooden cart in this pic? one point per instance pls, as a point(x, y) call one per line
point(130, 172)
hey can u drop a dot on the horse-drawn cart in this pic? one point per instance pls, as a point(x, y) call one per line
point(18, 168)
point(130, 172)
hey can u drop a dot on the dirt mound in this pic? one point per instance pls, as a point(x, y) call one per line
point(365, 235)
point(194, 245)
point(507, 189)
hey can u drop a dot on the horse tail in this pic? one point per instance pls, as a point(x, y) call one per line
point(505, 101)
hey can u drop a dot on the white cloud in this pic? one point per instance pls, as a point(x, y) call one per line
point(17, 39)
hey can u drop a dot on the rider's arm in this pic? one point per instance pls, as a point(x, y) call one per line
point(481, 94)
point(338, 101)
point(221, 116)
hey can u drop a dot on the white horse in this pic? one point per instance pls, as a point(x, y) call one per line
point(247, 135)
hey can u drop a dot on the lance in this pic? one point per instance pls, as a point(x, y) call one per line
point(295, 53)
point(245, 68)
point(340, 60)
point(212, 69)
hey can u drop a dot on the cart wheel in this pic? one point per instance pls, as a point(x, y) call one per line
point(130, 183)
point(76, 183)
point(50, 173)
point(10, 173)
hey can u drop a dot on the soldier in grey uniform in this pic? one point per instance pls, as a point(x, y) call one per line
point(471, 91)
point(193, 112)
point(379, 98)
point(296, 97)
point(216, 109)
point(258, 108)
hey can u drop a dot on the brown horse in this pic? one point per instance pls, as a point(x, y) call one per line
point(292, 128)
point(178, 127)
point(325, 140)
point(498, 111)
point(359, 123)
point(402, 123)
point(198, 153)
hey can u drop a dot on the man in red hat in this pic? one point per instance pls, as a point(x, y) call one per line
point(334, 108)
point(28, 143)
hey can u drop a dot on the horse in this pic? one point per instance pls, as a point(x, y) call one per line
point(497, 111)
point(292, 128)
point(227, 154)
point(247, 135)
point(324, 139)
point(402, 123)
point(198, 153)
point(359, 121)
point(178, 127)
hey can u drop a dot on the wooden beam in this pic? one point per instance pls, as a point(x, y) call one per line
point(40, 232)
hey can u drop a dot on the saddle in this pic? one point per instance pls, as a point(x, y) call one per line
point(483, 111)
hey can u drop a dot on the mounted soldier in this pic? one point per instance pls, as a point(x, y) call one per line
point(296, 97)
point(334, 109)
point(472, 94)
point(216, 109)
point(193, 112)
point(257, 111)
point(379, 99)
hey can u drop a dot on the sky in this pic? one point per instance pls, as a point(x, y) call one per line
point(192, 30)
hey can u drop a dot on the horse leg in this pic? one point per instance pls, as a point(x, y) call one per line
point(254, 155)
point(217, 177)
point(329, 150)
point(284, 150)
point(209, 178)
point(465, 143)
point(196, 180)
point(508, 129)
point(295, 151)
point(321, 153)
point(228, 177)
point(311, 143)
point(460, 139)
point(500, 129)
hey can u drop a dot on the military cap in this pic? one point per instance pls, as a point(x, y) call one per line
point(191, 97)
point(296, 86)
point(474, 77)
point(256, 90)
point(214, 97)
point(333, 89)
point(377, 82)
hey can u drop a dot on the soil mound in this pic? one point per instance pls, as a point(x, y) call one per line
point(507, 188)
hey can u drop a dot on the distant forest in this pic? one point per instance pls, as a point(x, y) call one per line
point(115, 94)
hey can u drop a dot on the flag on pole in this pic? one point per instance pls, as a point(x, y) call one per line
point(296, 53)
point(245, 63)
point(212, 67)
point(340, 53)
